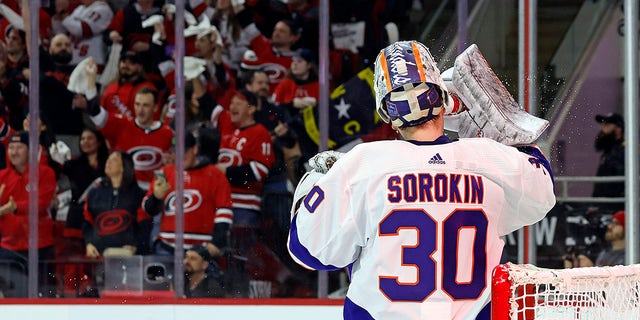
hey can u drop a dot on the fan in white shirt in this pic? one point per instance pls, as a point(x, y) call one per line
point(85, 25)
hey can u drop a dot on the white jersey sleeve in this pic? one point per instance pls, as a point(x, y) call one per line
point(419, 226)
point(86, 25)
point(96, 17)
point(345, 227)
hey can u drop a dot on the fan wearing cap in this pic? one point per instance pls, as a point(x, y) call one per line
point(615, 236)
point(438, 205)
point(119, 96)
point(300, 89)
point(200, 280)
point(610, 141)
point(614, 253)
point(14, 201)
point(127, 28)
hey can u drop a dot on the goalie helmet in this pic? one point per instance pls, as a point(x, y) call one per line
point(407, 83)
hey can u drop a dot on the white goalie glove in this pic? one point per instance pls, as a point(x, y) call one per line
point(488, 108)
point(320, 164)
point(324, 160)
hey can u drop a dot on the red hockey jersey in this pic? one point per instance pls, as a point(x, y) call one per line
point(206, 201)
point(276, 64)
point(146, 146)
point(247, 146)
point(288, 89)
point(119, 98)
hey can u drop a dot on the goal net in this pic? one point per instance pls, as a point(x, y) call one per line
point(526, 292)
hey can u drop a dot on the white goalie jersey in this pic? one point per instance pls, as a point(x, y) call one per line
point(417, 224)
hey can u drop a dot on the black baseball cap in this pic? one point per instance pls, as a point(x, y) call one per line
point(131, 56)
point(202, 251)
point(20, 136)
point(612, 118)
point(306, 54)
point(189, 140)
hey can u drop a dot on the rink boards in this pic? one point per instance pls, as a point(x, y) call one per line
point(169, 309)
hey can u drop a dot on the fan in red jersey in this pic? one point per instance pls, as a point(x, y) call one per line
point(144, 138)
point(206, 201)
point(246, 156)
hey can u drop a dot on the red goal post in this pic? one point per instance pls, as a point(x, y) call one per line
point(526, 292)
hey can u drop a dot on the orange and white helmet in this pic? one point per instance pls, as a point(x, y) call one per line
point(407, 83)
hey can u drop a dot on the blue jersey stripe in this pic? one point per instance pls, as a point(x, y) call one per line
point(353, 311)
point(536, 153)
point(302, 253)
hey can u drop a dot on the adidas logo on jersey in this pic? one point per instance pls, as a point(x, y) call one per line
point(437, 159)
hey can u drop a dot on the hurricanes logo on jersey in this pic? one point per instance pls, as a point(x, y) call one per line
point(229, 157)
point(146, 158)
point(275, 72)
point(192, 199)
point(113, 222)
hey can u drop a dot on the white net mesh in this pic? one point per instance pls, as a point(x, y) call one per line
point(580, 293)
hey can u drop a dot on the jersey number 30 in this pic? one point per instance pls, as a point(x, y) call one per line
point(420, 254)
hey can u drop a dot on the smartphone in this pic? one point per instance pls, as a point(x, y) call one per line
point(159, 174)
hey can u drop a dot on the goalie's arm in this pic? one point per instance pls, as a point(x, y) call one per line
point(529, 192)
point(536, 155)
point(305, 185)
point(324, 233)
point(320, 164)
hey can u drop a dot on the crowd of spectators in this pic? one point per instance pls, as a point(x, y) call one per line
point(107, 115)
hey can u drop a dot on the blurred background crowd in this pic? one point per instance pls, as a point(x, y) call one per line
point(107, 106)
